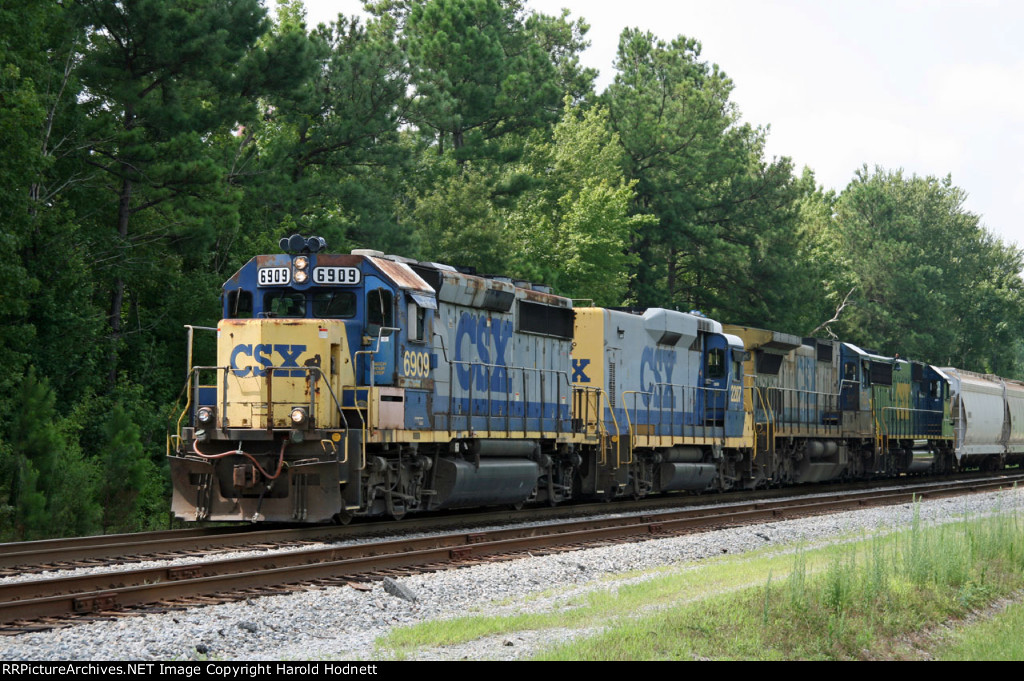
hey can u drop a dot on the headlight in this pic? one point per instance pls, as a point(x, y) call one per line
point(205, 415)
point(299, 416)
point(301, 262)
point(300, 277)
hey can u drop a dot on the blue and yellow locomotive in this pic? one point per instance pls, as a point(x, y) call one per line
point(366, 384)
point(373, 385)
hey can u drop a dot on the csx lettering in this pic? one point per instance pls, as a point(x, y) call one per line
point(261, 354)
point(486, 340)
point(416, 364)
point(579, 371)
point(656, 367)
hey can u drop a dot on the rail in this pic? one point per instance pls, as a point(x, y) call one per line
point(502, 375)
point(768, 423)
point(807, 409)
point(92, 595)
point(696, 401)
point(314, 375)
point(584, 395)
point(905, 423)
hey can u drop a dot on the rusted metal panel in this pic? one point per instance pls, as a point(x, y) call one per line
point(544, 298)
point(477, 292)
point(338, 260)
point(401, 275)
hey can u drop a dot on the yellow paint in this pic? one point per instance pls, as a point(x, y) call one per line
point(588, 345)
point(589, 363)
point(249, 346)
point(416, 364)
point(752, 339)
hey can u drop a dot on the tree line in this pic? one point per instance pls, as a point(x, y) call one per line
point(153, 146)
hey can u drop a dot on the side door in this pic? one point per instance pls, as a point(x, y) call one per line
point(849, 379)
point(716, 377)
point(379, 336)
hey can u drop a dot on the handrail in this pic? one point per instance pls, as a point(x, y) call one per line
point(363, 422)
point(769, 422)
point(188, 379)
point(913, 426)
point(313, 372)
point(599, 422)
point(509, 370)
point(697, 389)
point(191, 329)
point(508, 412)
point(801, 401)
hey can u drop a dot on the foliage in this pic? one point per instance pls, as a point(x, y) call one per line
point(721, 208)
point(574, 229)
point(160, 81)
point(154, 146)
point(928, 279)
point(479, 72)
point(49, 487)
point(994, 639)
point(457, 222)
point(321, 156)
point(125, 471)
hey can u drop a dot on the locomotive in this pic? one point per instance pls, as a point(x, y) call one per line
point(374, 385)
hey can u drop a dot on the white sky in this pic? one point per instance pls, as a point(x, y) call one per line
point(935, 87)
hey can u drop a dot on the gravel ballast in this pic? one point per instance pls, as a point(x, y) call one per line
point(342, 623)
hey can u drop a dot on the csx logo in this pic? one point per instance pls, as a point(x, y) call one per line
point(656, 368)
point(261, 354)
point(479, 342)
point(416, 364)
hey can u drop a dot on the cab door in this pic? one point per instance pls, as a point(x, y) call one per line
point(380, 338)
point(850, 392)
point(716, 378)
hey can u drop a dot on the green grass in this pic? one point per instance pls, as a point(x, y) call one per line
point(997, 638)
point(856, 600)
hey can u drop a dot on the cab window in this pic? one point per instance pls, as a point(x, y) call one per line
point(716, 363)
point(378, 311)
point(239, 304)
point(284, 304)
point(850, 372)
point(417, 322)
point(334, 304)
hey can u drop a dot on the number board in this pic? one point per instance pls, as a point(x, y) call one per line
point(337, 275)
point(274, 276)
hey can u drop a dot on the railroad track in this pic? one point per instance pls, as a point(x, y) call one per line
point(42, 604)
point(21, 558)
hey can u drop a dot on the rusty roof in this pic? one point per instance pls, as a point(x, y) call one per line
point(401, 274)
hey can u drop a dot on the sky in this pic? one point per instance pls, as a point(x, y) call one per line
point(932, 87)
